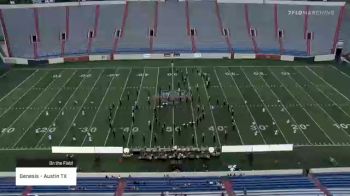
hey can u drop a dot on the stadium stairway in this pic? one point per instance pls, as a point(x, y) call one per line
point(319, 185)
point(229, 187)
point(338, 184)
point(27, 191)
point(120, 188)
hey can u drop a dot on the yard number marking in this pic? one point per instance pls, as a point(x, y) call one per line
point(341, 125)
point(88, 129)
point(219, 128)
point(171, 74)
point(127, 129)
point(299, 126)
point(85, 75)
point(285, 73)
point(170, 129)
point(56, 76)
point(113, 75)
point(45, 129)
point(142, 74)
point(231, 74)
point(7, 130)
point(255, 127)
point(259, 73)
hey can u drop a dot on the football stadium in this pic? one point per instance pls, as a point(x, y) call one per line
point(175, 97)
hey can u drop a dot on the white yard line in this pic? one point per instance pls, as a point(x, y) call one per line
point(263, 102)
point(211, 111)
point(340, 71)
point(44, 108)
point(155, 95)
point(59, 113)
point(250, 112)
point(223, 92)
point(137, 101)
point(118, 106)
point(285, 109)
point(81, 106)
point(24, 93)
point(194, 126)
point(302, 107)
point(172, 90)
point(324, 93)
point(3, 75)
point(99, 106)
point(329, 116)
point(18, 85)
point(31, 103)
point(328, 84)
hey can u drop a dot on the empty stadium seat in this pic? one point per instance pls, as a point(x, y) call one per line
point(217, 27)
point(254, 185)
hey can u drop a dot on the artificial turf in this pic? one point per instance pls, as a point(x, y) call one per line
point(273, 102)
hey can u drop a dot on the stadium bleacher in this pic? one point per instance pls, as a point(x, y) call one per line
point(168, 24)
point(278, 28)
point(337, 184)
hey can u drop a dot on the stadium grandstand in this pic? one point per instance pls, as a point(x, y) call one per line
point(289, 28)
point(175, 97)
point(291, 183)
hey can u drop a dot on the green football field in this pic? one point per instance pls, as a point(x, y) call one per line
point(186, 104)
